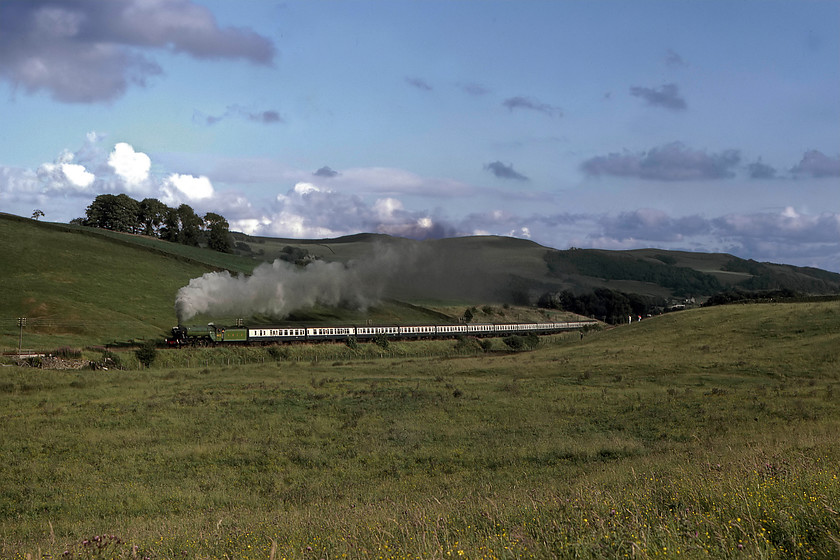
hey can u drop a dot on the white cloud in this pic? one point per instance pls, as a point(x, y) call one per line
point(63, 176)
point(307, 188)
point(78, 175)
point(179, 188)
point(132, 167)
point(251, 226)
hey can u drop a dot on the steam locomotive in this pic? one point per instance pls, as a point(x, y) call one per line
point(212, 334)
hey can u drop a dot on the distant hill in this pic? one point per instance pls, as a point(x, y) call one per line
point(76, 283)
point(503, 269)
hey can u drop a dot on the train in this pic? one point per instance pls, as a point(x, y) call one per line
point(212, 335)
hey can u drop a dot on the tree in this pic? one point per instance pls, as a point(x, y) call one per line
point(151, 215)
point(468, 315)
point(218, 232)
point(117, 213)
point(146, 354)
point(37, 214)
point(190, 225)
point(171, 227)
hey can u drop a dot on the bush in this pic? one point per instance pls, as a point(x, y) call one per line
point(520, 343)
point(468, 344)
point(146, 354)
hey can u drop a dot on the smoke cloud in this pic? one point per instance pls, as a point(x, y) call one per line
point(280, 288)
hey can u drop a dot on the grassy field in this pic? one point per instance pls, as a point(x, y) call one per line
point(76, 288)
point(86, 287)
point(712, 433)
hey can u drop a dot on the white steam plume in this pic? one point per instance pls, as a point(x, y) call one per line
point(279, 288)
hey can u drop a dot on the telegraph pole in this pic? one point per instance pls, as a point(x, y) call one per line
point(21, 324)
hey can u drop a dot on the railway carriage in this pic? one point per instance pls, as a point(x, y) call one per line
point(211, 335)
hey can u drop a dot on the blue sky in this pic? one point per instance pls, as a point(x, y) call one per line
point(693, 125)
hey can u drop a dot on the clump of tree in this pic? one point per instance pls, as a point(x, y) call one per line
point(744, 296)
point(153, 218)
point(604, 304)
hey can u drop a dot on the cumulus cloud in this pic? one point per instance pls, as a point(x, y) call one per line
point(667, 96)
point(520, 102)
point(88, 51)
point(311, 211)
point(64, 188)
point(269, 116)
point(65, 176)
point(132, 167)
point(503, 171)
point(671, 162)
point(178, 189)
point(787, 226)
point(816, 164)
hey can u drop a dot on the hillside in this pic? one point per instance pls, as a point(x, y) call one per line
point(501, 269)
point(82, 284)
point(73, 284)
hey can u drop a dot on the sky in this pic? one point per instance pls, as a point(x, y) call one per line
point(696, 125)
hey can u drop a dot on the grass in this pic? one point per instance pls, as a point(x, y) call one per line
point(706, 434)
point(82, 287)
point(76, 288)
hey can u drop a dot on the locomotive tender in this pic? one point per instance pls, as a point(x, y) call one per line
point(212, 334)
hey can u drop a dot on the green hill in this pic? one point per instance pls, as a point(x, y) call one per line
point(501, 269)
point(74, 284)
point(82, 286)
point(78, 285)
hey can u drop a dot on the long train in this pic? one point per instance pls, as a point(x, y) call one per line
point(211, 334)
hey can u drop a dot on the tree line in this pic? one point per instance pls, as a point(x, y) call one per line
point(604, 304)
point(153, 218)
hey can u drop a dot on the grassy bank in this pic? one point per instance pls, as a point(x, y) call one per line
point(707, 434)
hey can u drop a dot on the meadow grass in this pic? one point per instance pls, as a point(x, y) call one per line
point(707, 434)
point(76, 288)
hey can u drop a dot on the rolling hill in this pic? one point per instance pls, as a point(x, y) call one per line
point(503, 269)
point(81, 284)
